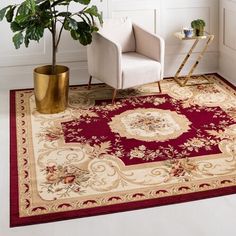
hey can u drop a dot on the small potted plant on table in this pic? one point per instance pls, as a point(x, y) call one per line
point(198, 26)
point(29, 19)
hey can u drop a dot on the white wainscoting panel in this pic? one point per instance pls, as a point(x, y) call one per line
point(145, 13)
point(145, 18)
point(227, 40)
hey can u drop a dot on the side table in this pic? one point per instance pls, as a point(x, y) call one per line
point(183, 81)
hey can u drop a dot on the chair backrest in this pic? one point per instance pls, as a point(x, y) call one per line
point(121, 32)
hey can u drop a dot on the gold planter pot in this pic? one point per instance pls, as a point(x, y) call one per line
point(51, 90)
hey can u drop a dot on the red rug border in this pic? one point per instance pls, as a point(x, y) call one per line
point(15, 220)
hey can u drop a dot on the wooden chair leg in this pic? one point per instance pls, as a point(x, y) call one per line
point(159, 86)
point(114, 96)
point(89, 83)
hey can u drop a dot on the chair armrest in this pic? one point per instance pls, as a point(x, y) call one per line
point(149, 44)
point(104, 60)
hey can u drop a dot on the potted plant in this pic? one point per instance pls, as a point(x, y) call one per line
point(29, 19)
point(198, 26)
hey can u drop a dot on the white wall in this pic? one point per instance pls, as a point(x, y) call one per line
point(227, 40)
point(160, 16)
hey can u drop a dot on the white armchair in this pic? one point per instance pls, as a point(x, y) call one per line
point(124, 55)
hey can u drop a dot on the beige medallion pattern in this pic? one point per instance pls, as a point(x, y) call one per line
point(150, 124)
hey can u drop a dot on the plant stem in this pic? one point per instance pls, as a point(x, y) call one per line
point(54, 48)
point(60, 32)
point(54, 44)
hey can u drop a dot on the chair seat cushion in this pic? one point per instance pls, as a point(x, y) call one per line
point(138, 69)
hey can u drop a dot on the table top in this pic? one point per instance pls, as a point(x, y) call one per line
point(181, 36)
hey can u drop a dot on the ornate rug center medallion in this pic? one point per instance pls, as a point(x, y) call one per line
point(150, 124)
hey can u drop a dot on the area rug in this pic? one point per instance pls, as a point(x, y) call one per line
point(148, 149)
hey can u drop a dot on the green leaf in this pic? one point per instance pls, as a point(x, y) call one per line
point(18, 39)
point(23, 10)
point(85, 33)
point(74, 34)
point(22, 18)
point(94, 29)
point(26, 41)
point(72, 23)
point(100, 19)
point(39, 1)
point(34, 32)
point(45, 19)
point(84, 2)
point(3, 12)
point(61, 2)
point(66, 24)
point(15, 26)
point(93, 10)
point(83, 26)
point(64, 14)
point(10, 13)
point(85, 38)
point(44, 6)
point(31, 5)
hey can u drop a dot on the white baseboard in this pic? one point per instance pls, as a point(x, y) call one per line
point(231, 80)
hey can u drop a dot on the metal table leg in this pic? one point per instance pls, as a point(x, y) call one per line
point(182, 82)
